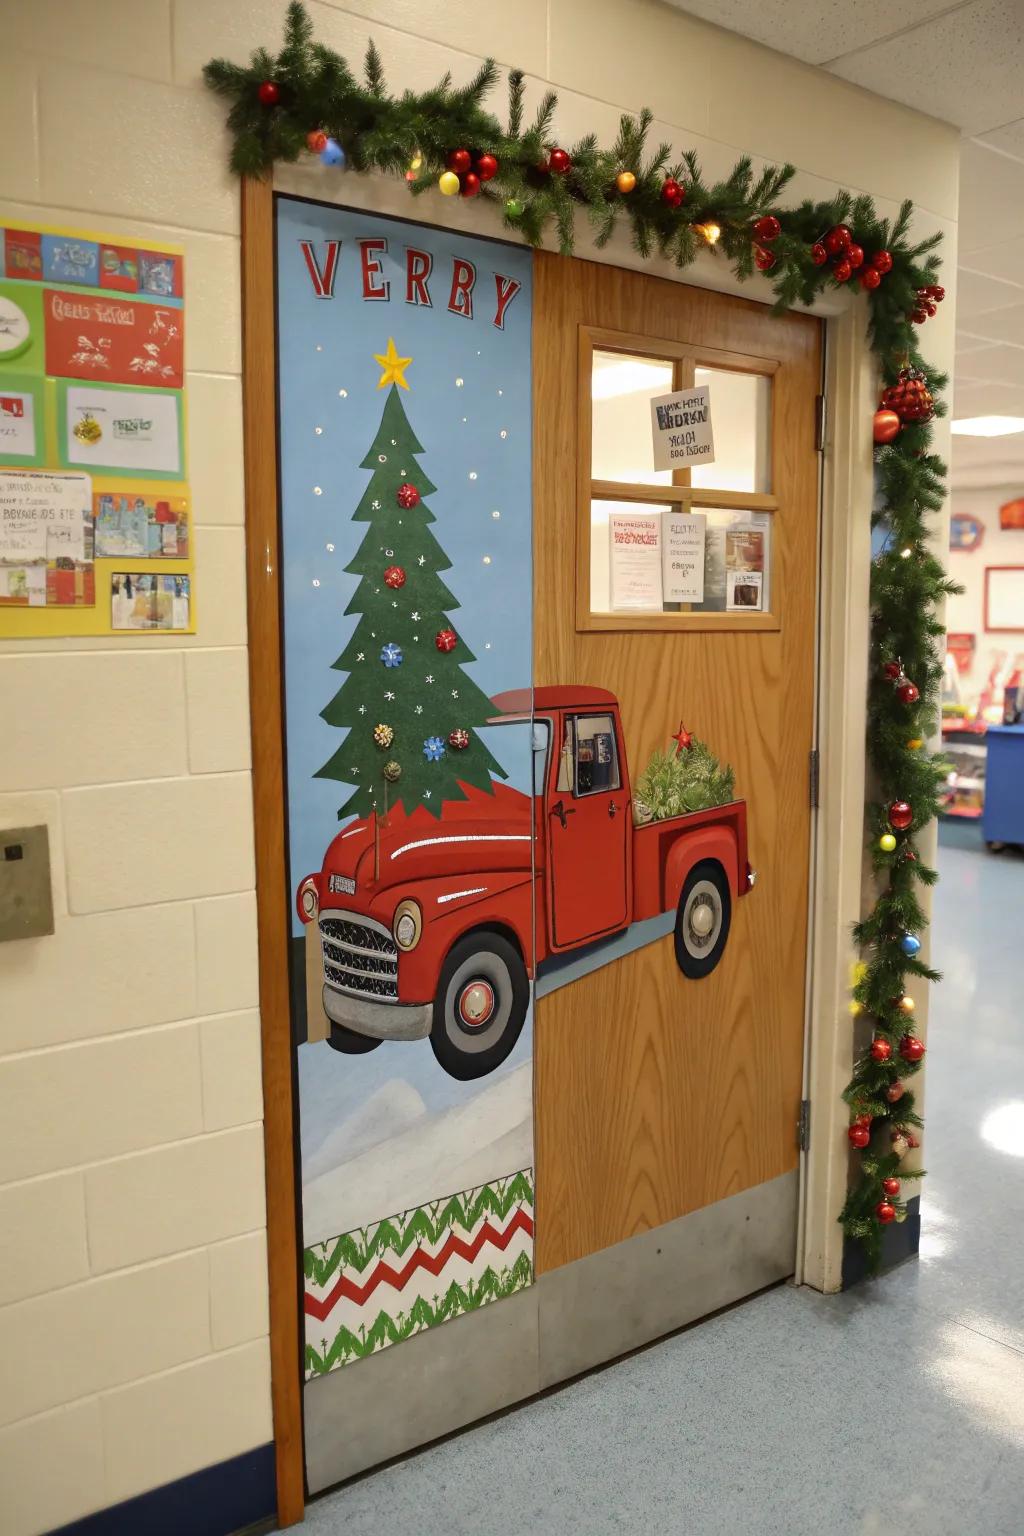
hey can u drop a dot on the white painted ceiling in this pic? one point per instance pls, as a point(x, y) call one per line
point(964, 64)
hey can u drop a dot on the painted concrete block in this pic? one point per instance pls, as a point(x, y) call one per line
point(226, 953)
point(42, 1216)
point(51, 1468)
point(217, 685)
point(239, 1295)
point(232, 1077)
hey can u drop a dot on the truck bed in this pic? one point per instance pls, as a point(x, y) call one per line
point(720, 832)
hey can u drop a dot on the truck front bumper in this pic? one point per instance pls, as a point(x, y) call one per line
point(378, 1021)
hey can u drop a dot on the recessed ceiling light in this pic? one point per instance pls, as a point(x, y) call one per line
point(988, 426)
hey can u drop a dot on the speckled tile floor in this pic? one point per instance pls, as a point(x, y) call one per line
point(893, 1406)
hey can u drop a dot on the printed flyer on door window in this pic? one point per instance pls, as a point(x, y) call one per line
point(94, 494)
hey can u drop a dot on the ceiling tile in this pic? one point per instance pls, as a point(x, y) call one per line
point(1005, 261)
point(814, 34)
point(993, 365)
point(1001, 326)
point(991, 198)
point(1009, 138)
point(977, 295)
point(963, 67)
point(987, 400)
point(967, 342)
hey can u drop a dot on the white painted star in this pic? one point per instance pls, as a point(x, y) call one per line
point(415, 618)
point(426, 794)
point(362, 709)
point(422, 560)
point(390, 696)
point(455, 693)
point(354, 768)
point(429, 678)
point(394, 602)
point(360, 656)
point(375, 505)
point(419, 709)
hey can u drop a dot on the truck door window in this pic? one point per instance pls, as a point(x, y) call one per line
point(597, 758)
point(566, 759)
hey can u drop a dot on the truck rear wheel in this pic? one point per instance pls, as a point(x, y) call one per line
point(482, 997)
point(702, 920)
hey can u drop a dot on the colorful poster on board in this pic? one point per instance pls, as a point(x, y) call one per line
point(92, 405)
point(404, 375)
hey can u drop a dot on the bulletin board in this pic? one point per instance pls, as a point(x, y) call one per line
point(96, 534)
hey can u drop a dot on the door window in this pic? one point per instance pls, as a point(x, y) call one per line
point(596, 757)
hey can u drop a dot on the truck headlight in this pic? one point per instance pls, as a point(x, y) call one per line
point(408, 924)
point(308, 901)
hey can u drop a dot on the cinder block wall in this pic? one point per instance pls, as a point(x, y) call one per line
point(133, 1316)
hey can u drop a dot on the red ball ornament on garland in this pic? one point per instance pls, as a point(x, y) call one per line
point(559, 162)
point(882, 262)
point(885, 1212)
point(891, 1187)
point(394, 577)
point(269, 93)
point(842, 271)
point(458, 739)
point(459, 161)
point(886, 426)
point(408, 496)
point(895, 1092)
point(487, 167)
point(316, 141)
point(911, 1048)
point(908, 692)
point(671, 192)
point(881, 1050)
point(870, 278)
point(837, 241)
point(900, 815)
point(446, 639)
point(763, 260)
point(855, 256)
point(859, 1136)
point(892, 671)
point(767, 229)
point(470, 184)
point(819, 255)
point(909, 397)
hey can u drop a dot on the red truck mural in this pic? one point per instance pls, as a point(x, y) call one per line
point(434, 928)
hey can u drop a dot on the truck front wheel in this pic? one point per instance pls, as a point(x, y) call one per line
point(349, 1043)
point(702, 920)
point(482, 997)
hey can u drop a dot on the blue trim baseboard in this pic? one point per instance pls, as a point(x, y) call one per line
point(899, 1241)
point(217, 1501)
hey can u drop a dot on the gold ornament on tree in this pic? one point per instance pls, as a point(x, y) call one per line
point(392, 771)
point(383, 735)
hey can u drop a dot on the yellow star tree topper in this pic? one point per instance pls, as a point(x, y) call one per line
point(394, 366)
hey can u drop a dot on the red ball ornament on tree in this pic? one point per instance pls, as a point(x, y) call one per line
point(767, 229)
point(842, 271)
point(446, 639)
point(908, 692)
point(819, 255)
point(870, 279)
point(891, 1187)
point(882, 262)
point(559, 162)
point(886, 426)
point(408, 496)
point(316, 141)
point(459, 161)
point(859, 1136)
point(763, 260)
point(486, 167)
point(470, 184)
point(394, 577)
point(458, 739)
point(837, 241)
point(911, 1048)
point(269, 93)
point(900, 815)
point(885, 1212)
point(881, 1050)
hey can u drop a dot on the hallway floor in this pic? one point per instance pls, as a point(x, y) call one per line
point(898, 1405)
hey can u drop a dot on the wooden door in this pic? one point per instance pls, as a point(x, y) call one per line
point(657, 1095)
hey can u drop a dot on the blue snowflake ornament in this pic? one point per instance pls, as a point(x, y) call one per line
point(433, 749)
point(391, 654)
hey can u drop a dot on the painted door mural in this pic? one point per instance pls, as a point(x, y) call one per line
point(405, 415)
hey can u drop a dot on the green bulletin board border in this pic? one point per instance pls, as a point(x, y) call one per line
point(61, 387)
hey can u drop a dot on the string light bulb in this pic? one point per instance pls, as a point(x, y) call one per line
point(711, 231)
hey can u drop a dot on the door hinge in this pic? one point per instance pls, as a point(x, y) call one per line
point(803, 1130)
point(814, 777)
point(819, 423)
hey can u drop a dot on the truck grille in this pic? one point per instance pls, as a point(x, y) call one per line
point(360, 956)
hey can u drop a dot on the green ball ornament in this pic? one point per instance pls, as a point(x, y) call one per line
point(513, 208)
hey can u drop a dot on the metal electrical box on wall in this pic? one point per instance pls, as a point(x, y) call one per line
point(26, 896)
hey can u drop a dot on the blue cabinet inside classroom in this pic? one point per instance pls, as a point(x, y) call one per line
point(1004, 785)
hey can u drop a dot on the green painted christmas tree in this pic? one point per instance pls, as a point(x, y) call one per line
point(410, 710)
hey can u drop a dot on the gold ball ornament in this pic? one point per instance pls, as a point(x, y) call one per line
point(887, 842)
point(383, 735)
point(392, 772)
point(625, 181)
point(901, 1146)
point(915, 744)
point(906, 1005)
point(855, 1007)
point(448, 183)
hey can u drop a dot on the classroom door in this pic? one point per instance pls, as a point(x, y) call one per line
point(657, 1095)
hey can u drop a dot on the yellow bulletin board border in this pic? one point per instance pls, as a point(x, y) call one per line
point(18, 622)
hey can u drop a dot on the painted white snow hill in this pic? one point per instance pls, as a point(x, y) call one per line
point(422, 1157)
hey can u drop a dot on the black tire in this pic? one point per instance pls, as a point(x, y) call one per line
point(349, 1043)
point(479, 964)
point(706, 886)
point(996, 847)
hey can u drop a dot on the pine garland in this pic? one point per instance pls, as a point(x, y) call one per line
point(413, 135)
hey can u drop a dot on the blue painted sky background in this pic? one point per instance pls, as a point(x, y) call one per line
point(325, 347)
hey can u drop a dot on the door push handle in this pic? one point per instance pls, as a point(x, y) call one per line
point(612, 808)
point(559, 810)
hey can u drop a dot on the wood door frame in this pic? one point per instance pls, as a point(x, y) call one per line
point(838, 860)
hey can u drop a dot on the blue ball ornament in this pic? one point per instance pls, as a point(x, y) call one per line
point(332, 153)
point(909, 944)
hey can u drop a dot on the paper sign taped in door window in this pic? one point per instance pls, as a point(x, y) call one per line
point(681, 428)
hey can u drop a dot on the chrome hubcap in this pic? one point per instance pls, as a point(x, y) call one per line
point(702, 919)
point(476, 1003)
